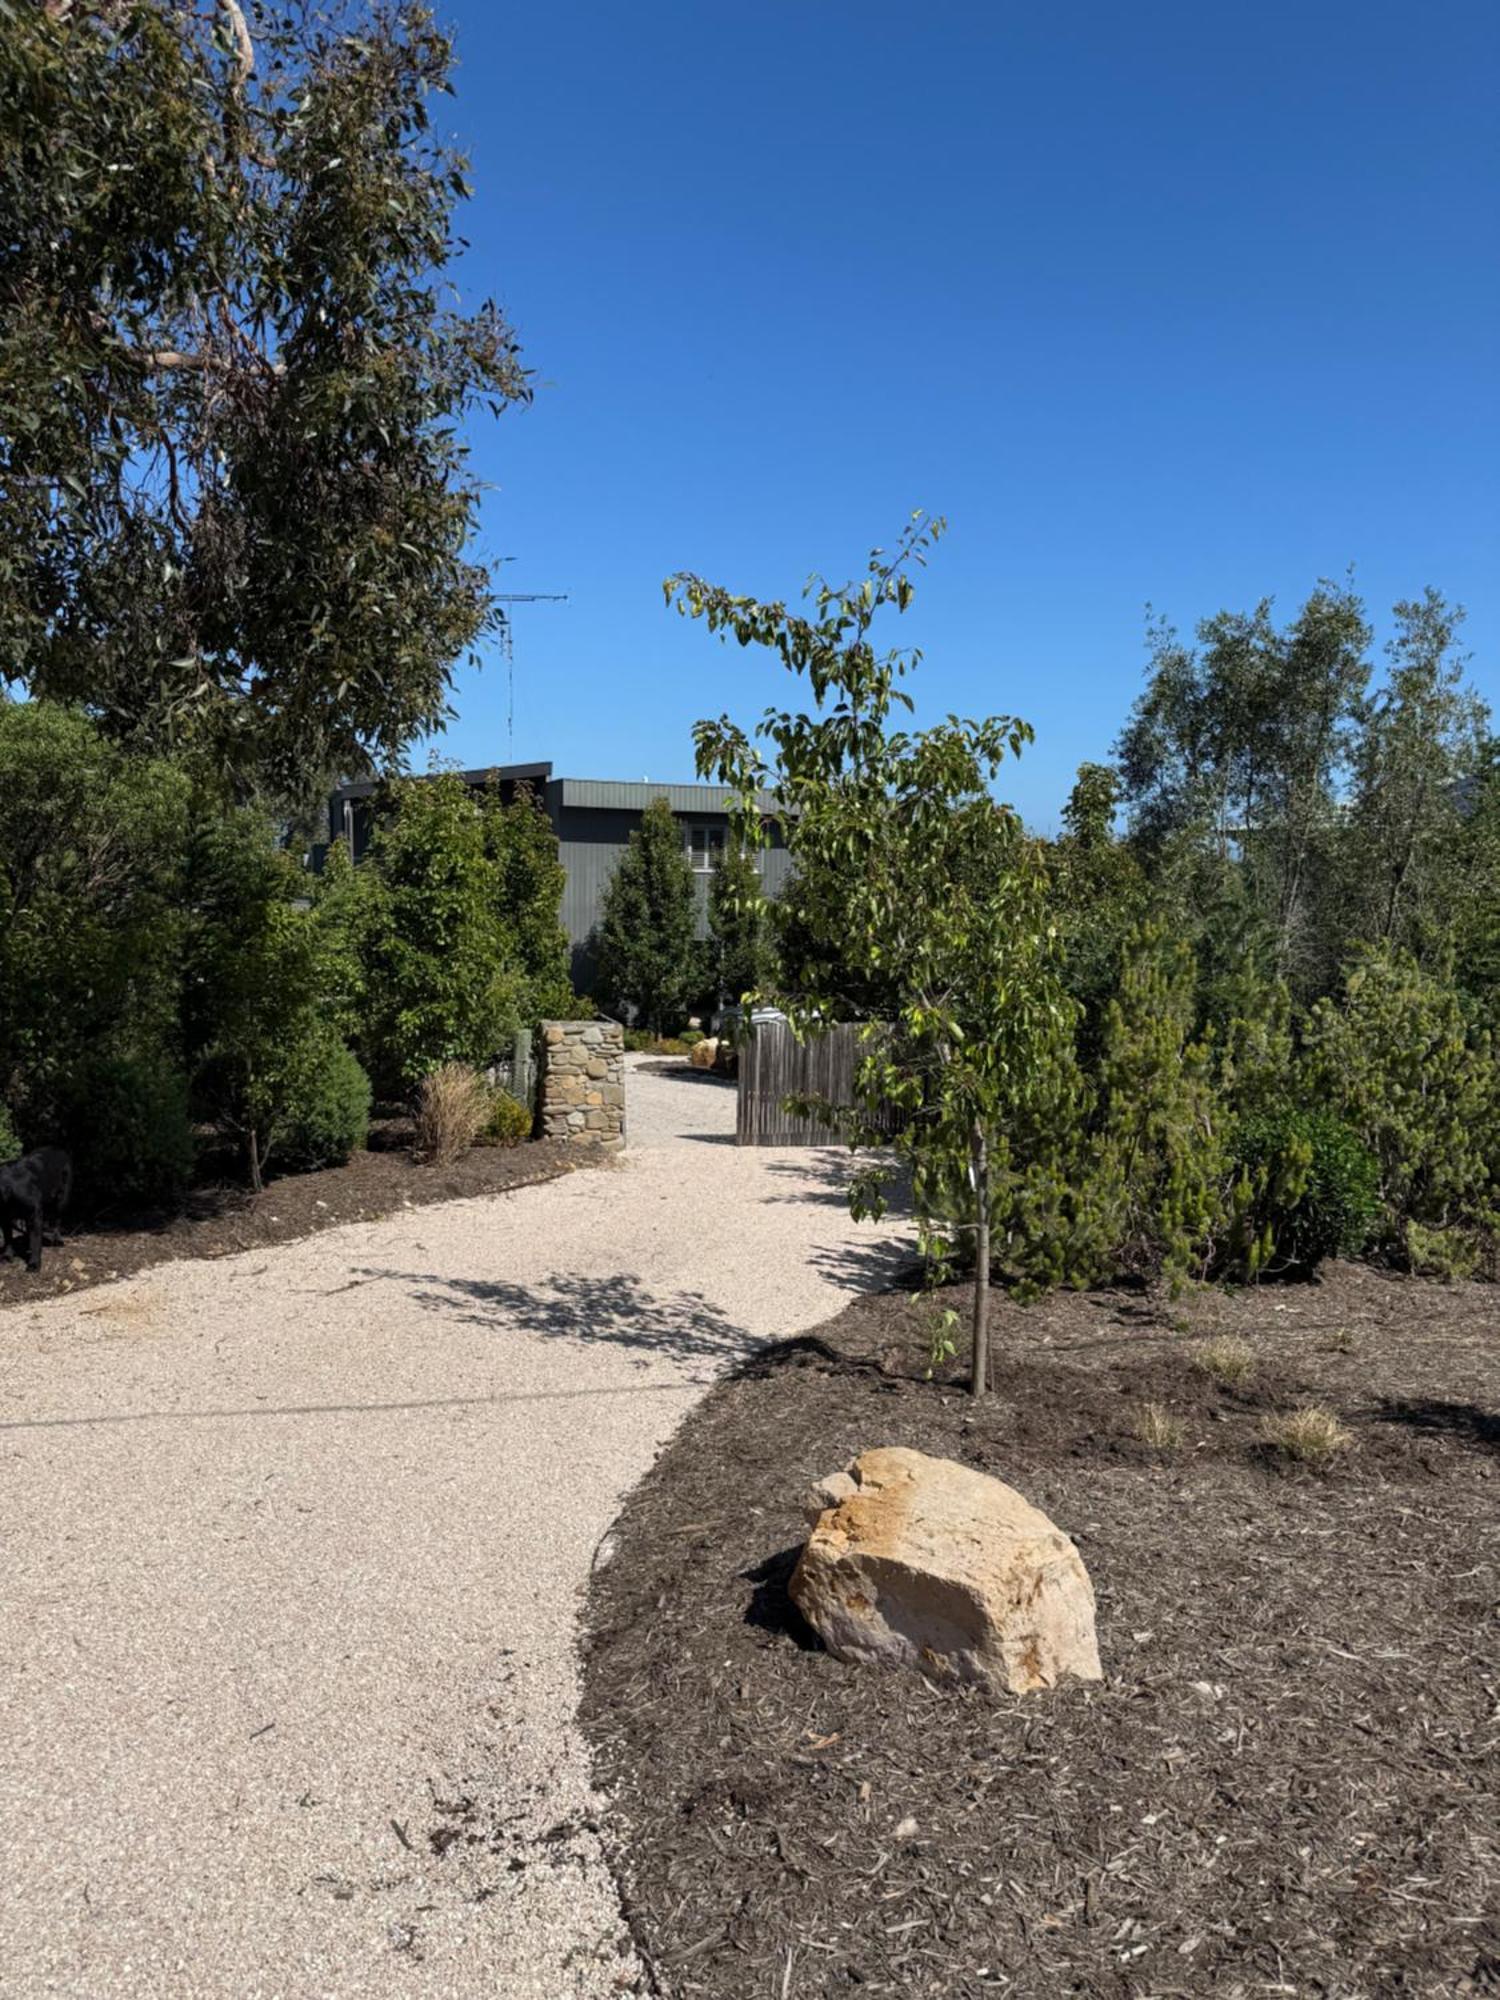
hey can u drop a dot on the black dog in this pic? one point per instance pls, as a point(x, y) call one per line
point(34, 1192)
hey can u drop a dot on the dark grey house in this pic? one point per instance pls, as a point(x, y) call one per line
point(593, 819)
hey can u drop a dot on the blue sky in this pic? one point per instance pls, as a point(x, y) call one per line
point(1177, 303)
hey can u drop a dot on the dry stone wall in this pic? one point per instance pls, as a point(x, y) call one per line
point(583, 1081)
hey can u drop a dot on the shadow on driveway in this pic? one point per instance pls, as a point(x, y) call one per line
point(617, 1310)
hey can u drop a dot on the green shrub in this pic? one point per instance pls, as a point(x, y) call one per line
point(125, 1120)
point(690, 1037)
point(1315, 1188)
point(326, 1111)
point(1396, 1058)
point(509, 1122)
point(10, 1144)
point(458, 933)
point(1443, 1253)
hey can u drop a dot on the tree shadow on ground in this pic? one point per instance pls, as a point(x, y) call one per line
point(833, 1169)
point(616, 1311)
point(1467, 1423)
point(879, 1264)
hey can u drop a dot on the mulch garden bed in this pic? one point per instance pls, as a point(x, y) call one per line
point(219, 1220)
point(1289, 1780)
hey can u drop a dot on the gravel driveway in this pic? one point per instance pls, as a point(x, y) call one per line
point(293, 1547)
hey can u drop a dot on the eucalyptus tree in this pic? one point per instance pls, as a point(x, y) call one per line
point(1234, 761)
point(236, 517)
point(1420, 773)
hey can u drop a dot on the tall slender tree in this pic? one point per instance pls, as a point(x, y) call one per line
point(649, 960)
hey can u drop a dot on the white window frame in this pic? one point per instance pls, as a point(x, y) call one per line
point(713, 841)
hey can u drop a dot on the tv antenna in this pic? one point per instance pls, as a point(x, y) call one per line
point(507, 646)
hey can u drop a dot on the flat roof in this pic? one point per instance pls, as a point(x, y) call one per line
point(487, 774)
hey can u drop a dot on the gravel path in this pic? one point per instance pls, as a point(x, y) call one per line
point(293, 1546)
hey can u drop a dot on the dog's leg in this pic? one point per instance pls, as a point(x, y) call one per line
point(34, 1240)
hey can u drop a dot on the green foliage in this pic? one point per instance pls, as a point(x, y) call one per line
point(1395, 1058)
point(1232, 762)
point(1315, 1190)
point(10, 1143)
point(339, 902)
point(741, 958)
point(253, 1011)
point(125, 1121)
point(1159, 1159)
point(1422, 742)
point(1100, 895)
point(648, 958)
point(940, 901)
point(447, 938)
point(1448, 1254)
point(529, 880)
point(235, 509)
point(509, 1121)
point(91, 845)
point(324, 1112)
point(441, 977)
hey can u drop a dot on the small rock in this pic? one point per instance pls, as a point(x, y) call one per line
point(907, 1830)
point(831, 1491)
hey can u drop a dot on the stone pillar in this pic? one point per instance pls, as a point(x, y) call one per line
point(583, 1082)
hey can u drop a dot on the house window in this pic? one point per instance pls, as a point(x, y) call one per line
point(705, 848)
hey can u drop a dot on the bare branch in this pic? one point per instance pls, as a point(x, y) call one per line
point(244, 61)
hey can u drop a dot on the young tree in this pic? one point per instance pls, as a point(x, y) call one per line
point(646, 944)
point(441, 980)
point(269, 1066)
point(235, 510)
point(740, 952)
point(529, 883)
point(943, 908)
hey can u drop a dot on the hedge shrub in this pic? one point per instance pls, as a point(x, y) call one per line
point(325, 1116)
point(1316, 1187)
point(125, 1120)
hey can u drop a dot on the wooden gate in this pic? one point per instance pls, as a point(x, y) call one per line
point(774, 1065)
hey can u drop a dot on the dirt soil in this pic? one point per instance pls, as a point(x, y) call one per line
point(219, 1220)
point(1289, 1780)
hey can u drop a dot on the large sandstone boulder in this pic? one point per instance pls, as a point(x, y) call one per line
point(918, 1562)
point(703, 1054)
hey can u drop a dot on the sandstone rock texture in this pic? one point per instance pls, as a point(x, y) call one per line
point(583, 1082)
point(919, 1562)
point(702, 1055)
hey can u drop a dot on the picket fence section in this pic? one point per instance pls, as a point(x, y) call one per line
point(774, 1065)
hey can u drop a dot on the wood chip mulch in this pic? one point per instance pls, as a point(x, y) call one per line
point(220, 1219)
point(1288, 1782)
